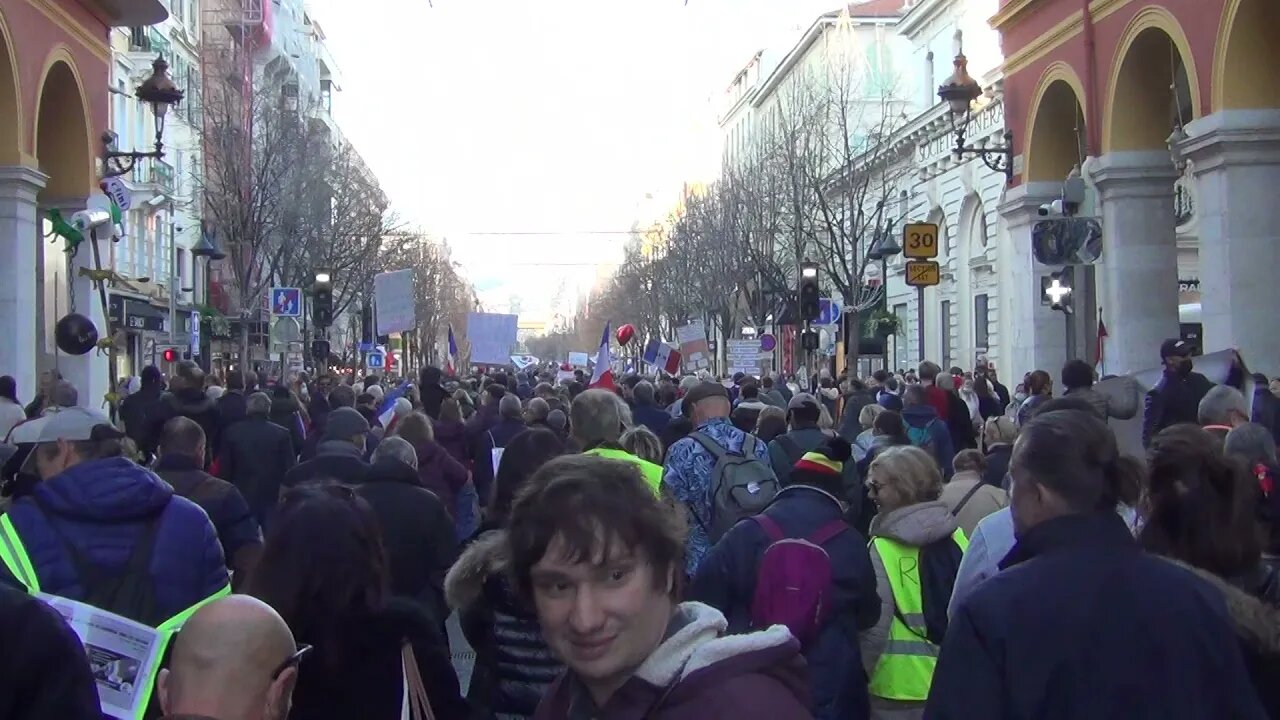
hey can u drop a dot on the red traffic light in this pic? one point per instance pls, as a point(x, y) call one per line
point(170, 355)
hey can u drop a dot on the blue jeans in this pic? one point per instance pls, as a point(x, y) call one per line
point(466, 512)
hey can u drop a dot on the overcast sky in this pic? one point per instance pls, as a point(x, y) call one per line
point(553, 117)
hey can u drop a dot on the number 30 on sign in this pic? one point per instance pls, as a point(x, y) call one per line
point(920, 241)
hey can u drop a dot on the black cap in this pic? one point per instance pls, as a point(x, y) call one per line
point(1174, 347)
point(700, 392)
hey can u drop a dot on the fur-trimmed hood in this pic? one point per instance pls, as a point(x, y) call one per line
point(1256, 622)
point(484, 558)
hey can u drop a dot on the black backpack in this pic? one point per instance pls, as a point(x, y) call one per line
point(939, 565)
point(129, 591)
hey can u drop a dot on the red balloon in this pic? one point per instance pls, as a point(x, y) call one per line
point(625, 334)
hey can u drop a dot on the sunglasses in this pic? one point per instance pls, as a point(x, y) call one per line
point(291, 661)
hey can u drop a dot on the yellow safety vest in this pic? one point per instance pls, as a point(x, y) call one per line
point(14, 555)
point(652, 473)
point(905, 668)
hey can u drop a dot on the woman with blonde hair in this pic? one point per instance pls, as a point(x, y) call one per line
point(915, 546)
point(863, 443)
point(641, 442)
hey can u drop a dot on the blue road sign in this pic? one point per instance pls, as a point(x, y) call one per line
point(375, 359)
point(828, 311)
point(286, 302)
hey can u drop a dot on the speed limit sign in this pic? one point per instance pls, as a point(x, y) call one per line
point(920, 241)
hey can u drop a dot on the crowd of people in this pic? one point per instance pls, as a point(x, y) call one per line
point(919, 544)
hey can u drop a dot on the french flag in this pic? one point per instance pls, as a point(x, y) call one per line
point(602, 376)
point(453, 352)
point(387, 410)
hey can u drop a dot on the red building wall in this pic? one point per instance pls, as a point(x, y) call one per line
point(1092, 53)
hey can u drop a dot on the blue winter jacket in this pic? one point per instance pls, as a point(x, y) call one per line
point(726, 580)
point(101, 506)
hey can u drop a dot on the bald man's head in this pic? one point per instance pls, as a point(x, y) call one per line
point(223, 660)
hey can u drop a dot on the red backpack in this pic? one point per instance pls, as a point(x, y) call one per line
point(793, 581)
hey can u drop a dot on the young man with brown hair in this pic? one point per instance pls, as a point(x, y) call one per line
point(601, 560)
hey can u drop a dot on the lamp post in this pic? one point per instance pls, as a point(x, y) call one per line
point(884, 248)
point(959, 92)
point(206, 248)
point(159, 92)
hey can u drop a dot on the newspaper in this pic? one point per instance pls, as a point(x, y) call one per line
point(122, 654)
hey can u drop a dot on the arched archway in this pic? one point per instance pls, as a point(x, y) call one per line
point(1154, 84)
point(1055, 126)
point(63, 143)
point(1246, 57)
point(11, 120)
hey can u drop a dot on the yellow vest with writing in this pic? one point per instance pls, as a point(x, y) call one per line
point(14, 555)
point(905, 668)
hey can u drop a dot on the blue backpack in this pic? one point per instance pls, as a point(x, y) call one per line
point(923, 438)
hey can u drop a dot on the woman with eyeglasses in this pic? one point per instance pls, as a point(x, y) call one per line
point(324, 570)
point(916, 547)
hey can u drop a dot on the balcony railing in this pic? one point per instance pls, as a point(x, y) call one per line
point(162, 176)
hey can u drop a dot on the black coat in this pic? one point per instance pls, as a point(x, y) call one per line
point(960, 423)
point(1173, 400)
point(417, 533)
point(726, 580)
point(184, 402)
point(286, 413)
point(231, 408)
point(1081, 624)
point(496, 435)
point(137, 412)
point(334, 460)
point(46, 674)
point(358, 673)
point(236, 523)
point(256, 454)
point(998, 457)
point(651, 416)
point(513, 666)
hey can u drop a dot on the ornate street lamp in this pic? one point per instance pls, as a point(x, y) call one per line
point(159, 92)
point(959, 92)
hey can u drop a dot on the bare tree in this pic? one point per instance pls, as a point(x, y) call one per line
point(252, 141)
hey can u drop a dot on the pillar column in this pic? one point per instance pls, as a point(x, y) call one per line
point(1031, 334)
point(1235, 158)
point(1139, 256)
point(19, 243)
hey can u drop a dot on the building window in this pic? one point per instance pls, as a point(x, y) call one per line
point(945, 359)
point(900, 339)
point(981, 324)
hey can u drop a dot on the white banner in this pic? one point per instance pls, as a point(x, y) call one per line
point(393, 301)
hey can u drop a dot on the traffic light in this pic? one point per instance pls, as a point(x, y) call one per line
point(809, 340)
point(366, 324)
point(810, 296)
point(320, 350)
point(170, 355)
point(322, 300)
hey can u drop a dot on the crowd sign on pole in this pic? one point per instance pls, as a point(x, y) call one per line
point(492, 337)
point(743, 356)
point(693, 346)
point(393, 301)
point(578, 359)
